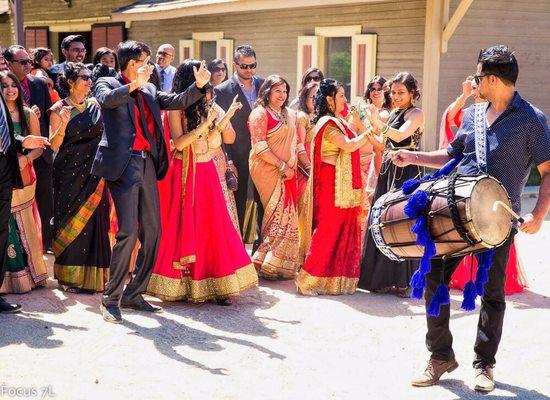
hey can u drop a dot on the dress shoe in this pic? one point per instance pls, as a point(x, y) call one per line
point(7, 308)
point(111, 313)
point(433, 372)
point(141, 305)
point(484, 380)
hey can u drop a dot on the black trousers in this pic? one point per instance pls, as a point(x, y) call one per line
point(241, 197)
point(6, 191)
point(439, 339)
point(44, 198)
point(136, 200)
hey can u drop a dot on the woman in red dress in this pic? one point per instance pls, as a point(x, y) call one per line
point(515, 275)
point(330, 231)
point(201, 254)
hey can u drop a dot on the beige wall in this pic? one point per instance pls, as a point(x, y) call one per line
point(57, 10)
point(521, 24)
point(399, 25)
point(6, 31)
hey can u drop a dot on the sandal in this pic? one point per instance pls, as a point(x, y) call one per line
point(223, 302)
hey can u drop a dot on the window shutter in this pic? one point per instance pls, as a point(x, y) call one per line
point(36, 37)
point(308, 55)
point(187, 49)
point(224, 51)
point(363, 64)
point(107, 35)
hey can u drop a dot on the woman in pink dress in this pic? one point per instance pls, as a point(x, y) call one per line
point(201, 255)
point(452, 117)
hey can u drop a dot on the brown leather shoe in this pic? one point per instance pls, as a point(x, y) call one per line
point(433, 372)
point(484, 380)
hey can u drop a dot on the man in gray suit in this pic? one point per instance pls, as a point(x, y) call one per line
point(245, 84)
point(132, 156)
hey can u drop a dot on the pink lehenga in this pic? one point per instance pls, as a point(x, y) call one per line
point(277, 255)
point(201, 254)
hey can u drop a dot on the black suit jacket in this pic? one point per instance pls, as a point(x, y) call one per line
point(40, 97)
point(117, 108)
point(225, 93)
point(15, 147)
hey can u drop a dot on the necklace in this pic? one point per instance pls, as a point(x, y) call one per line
point(79, 106)
point(278, 115)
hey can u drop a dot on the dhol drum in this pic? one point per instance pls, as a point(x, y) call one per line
point(461, 218)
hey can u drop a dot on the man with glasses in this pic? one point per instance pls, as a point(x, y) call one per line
point(245, 84)
point(165, 56)
point(73, 48)
point(37, 96)
point(132, 156)
point(516, 135)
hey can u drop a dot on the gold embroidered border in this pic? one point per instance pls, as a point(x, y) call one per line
point(326, 285)
point(260, 146)
point(184, 262)
point(185, 288)
point(82, 277)
point(271, 267)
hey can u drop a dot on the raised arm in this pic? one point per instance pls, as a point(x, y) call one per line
point(337, 138)
point(109, 97)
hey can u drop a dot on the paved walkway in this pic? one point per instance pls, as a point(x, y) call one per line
point(271, 344)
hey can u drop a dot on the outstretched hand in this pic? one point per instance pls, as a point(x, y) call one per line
point(235, 105)
point(144, 72)
point(202, 75)
point(35, 142)
point(402, 158)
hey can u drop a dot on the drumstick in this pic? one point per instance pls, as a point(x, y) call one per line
point(507, 208)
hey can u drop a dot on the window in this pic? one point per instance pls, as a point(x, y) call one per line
point(343, 53)
point(338, 61)
point(36, 37)
point(207, 50)
point(107, 35)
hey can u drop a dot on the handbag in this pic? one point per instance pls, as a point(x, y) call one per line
point(28, 176)
point(230, 177)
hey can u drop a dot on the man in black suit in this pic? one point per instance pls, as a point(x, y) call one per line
point(73, 48)
point(245, 84)
point(132, 156)
point(37, 96)
point(10, 178)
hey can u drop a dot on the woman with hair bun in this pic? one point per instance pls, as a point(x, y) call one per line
point(330, 232)
point(81, 202)
point(403, 130)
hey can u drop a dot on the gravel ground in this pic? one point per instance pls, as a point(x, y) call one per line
point(270, 344)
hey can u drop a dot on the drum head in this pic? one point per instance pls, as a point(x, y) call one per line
point(492, 227)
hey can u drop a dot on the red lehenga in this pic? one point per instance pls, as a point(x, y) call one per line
point(330, 231)
point(515, 276)
point(201, 255)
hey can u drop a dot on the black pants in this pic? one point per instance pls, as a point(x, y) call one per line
point(6, 191)
point(439, 339)
point(136, 200)
point(241, 197)
point(44, 198)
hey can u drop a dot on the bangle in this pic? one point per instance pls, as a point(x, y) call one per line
point(282, 165)
point(384, 129)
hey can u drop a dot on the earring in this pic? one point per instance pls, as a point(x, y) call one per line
point(330, 103)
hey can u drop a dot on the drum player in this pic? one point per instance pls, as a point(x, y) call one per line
point(517, 135)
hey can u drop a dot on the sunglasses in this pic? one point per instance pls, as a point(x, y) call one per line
point(220, 69)
point(477, 78)
point(85, 77)
point(316, 78)
point(23, 62)
point(376, 89)
point(247, 66)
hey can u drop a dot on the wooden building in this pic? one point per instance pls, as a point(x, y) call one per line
point(352, 40)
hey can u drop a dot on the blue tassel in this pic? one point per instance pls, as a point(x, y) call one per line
point(416, 204)
point(410, 186)
point(470, 294)
point(417, 292)
point(440, 298)
point(484, 263)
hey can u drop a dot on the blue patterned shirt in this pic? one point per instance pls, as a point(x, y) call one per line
point(517, 138)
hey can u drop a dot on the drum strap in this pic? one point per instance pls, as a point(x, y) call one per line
point(480, 130)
